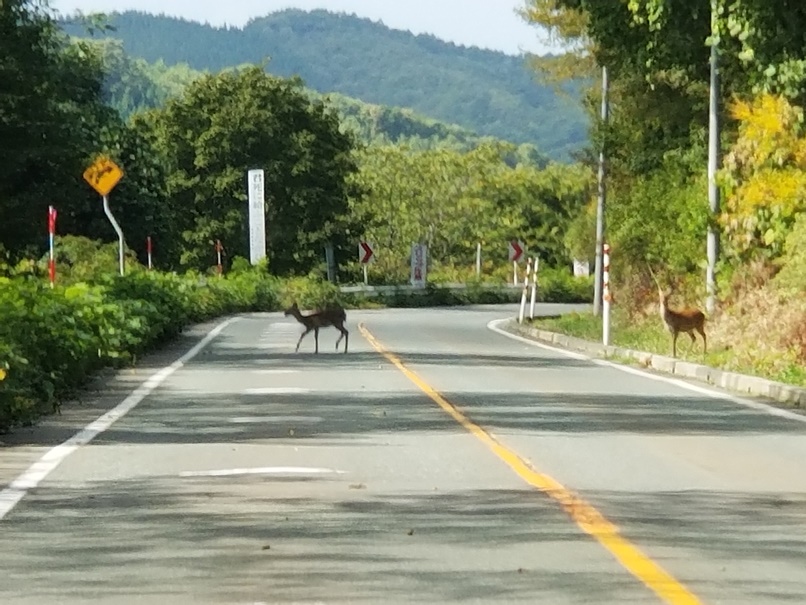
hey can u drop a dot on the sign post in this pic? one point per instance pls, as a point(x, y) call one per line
point(419, 265)
point(52, 242)
point(148, 251)
point(257, 216)
point(606, 296)
point(102, 176)
point(366, 255)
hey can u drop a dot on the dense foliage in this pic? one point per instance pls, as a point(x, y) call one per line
point(453, 201)
point(657, 55)
point(51, 340)
point(225, 125)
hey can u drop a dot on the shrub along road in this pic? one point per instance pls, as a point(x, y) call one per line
point(437, 461)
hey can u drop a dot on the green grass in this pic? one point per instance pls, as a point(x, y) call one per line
point(648, 335)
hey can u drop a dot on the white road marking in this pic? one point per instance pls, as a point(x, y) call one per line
point(270, 419)
point(28, 480)
point(755, 405)
point(260, 346)
point(275, 391)
point(269, 470)
point(273, 372)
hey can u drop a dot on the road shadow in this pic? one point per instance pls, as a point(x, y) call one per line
point(262, 539)
point(324, 417)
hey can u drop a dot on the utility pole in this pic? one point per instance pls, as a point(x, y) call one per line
point(600, 206)
point(713, 164)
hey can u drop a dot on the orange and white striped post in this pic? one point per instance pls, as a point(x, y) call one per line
point(149, 250)
point(535, 268)
point(525, 290)
point(52, 242)
point(606, 296)
point(219, 249)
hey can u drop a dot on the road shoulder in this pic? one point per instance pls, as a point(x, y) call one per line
point(782, 395)
point(23, 446)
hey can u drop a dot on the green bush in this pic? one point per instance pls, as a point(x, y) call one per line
point(52, 340)
point(311, 292)
point(558, 285)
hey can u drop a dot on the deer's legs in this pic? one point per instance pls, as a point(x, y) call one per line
point(316, 339)
point(301, 336)
point(674, 344)
point(704, 340)
point(344, 334)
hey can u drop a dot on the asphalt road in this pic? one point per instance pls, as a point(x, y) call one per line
point(438, 461)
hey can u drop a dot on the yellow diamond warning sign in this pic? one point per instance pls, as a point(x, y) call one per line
point(103, 175)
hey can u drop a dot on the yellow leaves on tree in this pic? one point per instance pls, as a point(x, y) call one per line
point(765, 172)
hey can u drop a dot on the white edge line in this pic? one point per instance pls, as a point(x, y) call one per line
point(755, 405)
point(29, 479)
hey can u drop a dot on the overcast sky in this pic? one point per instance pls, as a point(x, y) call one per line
point(489, 24)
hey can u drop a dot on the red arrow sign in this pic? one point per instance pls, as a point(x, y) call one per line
point(515, 250)
point(365, 252)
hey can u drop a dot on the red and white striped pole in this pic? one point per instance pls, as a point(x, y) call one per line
point(525, 290)
point(52, 245)
point(606, 296)
point(219, 248)
point(148, 251)
point(535, 269)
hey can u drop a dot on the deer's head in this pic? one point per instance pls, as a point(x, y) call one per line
point(292, 310)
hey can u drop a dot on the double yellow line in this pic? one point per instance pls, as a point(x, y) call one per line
point(590, 520)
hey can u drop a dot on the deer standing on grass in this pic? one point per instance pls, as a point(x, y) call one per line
point(330, 316)
point(680, 320)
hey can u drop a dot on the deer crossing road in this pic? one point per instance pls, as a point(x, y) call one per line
point(438, 461)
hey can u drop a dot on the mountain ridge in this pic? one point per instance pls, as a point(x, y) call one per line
point(488, 92)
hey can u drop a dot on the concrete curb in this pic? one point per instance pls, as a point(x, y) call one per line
point(730, 381)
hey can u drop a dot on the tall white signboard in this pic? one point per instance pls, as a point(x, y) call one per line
point(257, 216)
point(419, 265)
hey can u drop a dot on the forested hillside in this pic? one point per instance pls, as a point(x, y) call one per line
point(486, 92)
point(132, 85)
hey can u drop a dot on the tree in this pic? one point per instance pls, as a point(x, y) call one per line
point(764, 176)
point(452, 200)
point(52, 122)
point(228, 123)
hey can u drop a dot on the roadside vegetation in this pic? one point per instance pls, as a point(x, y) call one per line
point(53, 340)
point(656, 142)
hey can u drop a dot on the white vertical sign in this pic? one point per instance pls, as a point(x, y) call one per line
point(257, 216)
point(419, 265)
point(582, 268)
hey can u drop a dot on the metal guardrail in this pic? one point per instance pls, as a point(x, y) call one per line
point(409, 289)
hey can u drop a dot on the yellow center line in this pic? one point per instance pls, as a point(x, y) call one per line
point(590, 520)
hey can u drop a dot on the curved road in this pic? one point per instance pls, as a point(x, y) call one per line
point(438, 461)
